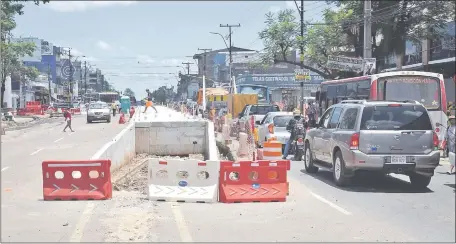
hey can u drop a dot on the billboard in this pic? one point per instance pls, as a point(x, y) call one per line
point(277, 80)
point(36, 55)
point(46, 48)
point(244, 57)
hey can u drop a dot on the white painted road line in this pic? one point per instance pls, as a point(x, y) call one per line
point(5, 168)
point(58, 139)
point(330, 204)
point(35, 152)
point(181, 225)
point(80, 225)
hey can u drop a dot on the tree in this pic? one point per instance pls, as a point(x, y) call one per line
point(11, 52)
point(328, 40)
point(280, 37)
point(394, 22)
point(129, 92)
point(159, 95)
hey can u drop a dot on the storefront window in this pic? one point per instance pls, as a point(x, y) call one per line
point(444, 47)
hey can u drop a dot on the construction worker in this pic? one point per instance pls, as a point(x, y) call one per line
point(114, 109)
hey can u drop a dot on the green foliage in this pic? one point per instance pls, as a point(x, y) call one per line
point(394, 22)
point(280, 35)
point(11, 52)
point(129, 92)
point(327, 40)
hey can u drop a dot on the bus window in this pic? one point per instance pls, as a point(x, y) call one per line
point(342, 90)
point(363, 89)
point(352, 90)
point(425, 90)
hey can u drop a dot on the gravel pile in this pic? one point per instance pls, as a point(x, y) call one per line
point(132, 178)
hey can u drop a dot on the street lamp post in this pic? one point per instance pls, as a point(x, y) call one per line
point(228, 47)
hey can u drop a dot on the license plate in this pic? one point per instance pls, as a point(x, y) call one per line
point(300, 143)
point(398, 159)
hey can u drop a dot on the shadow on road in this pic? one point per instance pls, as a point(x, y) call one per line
point(451, 185)
point(370, 183)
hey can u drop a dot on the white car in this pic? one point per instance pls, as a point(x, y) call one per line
point(274, 124)
point(99, 111)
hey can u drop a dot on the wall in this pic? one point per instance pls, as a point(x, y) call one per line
point(171, 137)
point(121, 150)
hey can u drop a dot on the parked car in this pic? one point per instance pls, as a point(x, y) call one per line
point(274, 124)
point(99, 111)
point(380, 136)
point(258, 111)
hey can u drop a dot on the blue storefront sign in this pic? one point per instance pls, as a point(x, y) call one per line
point(277, 80)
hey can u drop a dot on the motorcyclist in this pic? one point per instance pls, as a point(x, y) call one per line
point(297, 117)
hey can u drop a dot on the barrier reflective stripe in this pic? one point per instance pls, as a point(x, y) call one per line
point(272, 150)
point(77, 180)
point(180, 180)
point(253, 181)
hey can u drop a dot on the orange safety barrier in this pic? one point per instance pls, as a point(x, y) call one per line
point(253, 181)
point(77, 180)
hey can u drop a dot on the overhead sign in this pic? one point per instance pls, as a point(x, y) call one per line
point(286, 80)
point(66, 69)
point(369, 66)
point(302, 75)
point(345, 63)
point(47, 48)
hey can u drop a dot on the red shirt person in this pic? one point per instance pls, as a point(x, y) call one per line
point(67, 116)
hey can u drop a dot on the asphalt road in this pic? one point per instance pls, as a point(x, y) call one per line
point(25, 216)
point(371, 210)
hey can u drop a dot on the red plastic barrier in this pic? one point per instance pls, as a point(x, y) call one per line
point(77, 180)
point(253, 181)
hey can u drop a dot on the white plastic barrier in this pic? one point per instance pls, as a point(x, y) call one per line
point(179, 180)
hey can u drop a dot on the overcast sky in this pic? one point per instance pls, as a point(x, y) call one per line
point(132, 41)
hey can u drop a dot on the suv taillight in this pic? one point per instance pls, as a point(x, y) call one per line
point(271, 128)
point(435, 140)
point(354, 141)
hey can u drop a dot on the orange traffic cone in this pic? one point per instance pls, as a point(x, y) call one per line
point(122, 118)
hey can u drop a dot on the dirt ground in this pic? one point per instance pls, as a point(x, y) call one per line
point(133, 215)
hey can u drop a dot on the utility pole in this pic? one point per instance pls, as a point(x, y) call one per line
point(230, 49)
point(188, 66)
point(70, 79)
point(367, 29)
point(301, 56)
point(205, 50)
point(49, 83)
point(85, 78)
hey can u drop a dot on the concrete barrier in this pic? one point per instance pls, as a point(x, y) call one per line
point(121, 150)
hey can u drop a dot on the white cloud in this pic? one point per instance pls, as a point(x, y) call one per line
point(274, 9)
point(172, 62)
point(80, 6)
point(89, 59)
point(144, 59)
point(103, 45)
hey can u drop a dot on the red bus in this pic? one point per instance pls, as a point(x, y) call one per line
point(424, 87)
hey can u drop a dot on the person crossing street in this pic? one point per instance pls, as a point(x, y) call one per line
point(67, 116)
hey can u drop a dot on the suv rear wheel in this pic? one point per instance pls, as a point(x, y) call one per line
point(419, 181)
point(339, 170)
point(308, 160)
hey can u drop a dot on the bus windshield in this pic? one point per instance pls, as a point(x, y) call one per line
point(262, 92)
point(423, 89)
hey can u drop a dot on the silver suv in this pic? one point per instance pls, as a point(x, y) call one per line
point(382, 136)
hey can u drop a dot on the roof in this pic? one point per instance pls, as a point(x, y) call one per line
point(233, 49)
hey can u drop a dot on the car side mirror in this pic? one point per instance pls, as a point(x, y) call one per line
point(258, 122)
point(438, 124)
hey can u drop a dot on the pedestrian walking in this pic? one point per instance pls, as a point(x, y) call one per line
point(67, 116)
point(450, 138)
point(114, 109)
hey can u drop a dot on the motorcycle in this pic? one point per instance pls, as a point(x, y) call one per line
point(297, 146)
